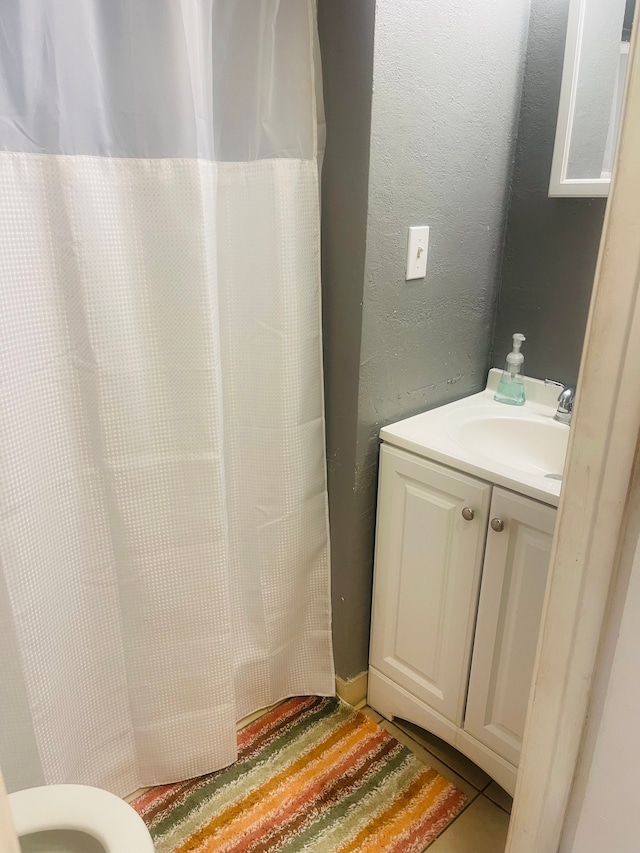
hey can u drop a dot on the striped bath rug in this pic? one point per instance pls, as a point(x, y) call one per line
point(312, 775)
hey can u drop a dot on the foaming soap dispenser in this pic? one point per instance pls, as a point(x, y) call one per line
point(511, 386)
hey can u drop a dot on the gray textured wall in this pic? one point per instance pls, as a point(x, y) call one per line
point(346, 34)
point(552, 243)
point(447, 82)
point(629, 12)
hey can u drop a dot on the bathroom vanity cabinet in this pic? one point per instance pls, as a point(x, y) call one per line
point(460, 573)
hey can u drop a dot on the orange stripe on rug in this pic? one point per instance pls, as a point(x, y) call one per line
point(432, 823)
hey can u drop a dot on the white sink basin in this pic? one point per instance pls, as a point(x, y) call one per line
point(519, 447)
point(534, 445)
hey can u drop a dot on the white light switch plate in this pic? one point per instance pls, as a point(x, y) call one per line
point(417, 252)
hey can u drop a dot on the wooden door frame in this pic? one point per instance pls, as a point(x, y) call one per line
point(603, 442)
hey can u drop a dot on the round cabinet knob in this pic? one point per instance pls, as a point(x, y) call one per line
point(497, 524)
point(468, 514)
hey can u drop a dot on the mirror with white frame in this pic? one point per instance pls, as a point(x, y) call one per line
point(595, 67)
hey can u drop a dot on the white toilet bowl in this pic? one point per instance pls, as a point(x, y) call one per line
point(101, 816)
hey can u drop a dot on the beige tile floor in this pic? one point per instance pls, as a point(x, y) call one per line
point(482, 825)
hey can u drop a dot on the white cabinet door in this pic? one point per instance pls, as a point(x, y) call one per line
point(511, 598)
point(427, 571)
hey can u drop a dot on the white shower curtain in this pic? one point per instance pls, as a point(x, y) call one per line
point(163, 513)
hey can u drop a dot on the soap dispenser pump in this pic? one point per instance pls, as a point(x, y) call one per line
point(511, 386)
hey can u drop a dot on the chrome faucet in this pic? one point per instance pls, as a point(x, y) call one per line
point(565, 405)
point(565, 401)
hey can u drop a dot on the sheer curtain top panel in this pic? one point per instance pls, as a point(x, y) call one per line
point(228, 80)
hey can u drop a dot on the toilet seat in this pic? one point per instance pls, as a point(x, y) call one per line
point(93, 811)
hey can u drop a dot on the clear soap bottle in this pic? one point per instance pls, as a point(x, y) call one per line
point(511, 386)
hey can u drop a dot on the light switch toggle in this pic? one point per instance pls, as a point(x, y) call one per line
point(417, 252)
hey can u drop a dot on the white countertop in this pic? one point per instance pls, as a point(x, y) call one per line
point(512, 446)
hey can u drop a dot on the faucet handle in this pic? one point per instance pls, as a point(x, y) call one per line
point(566, 398)
point(567, 392)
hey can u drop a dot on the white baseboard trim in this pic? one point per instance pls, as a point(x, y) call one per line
point(354, 690)
point(134, 796)
point(250, 718)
